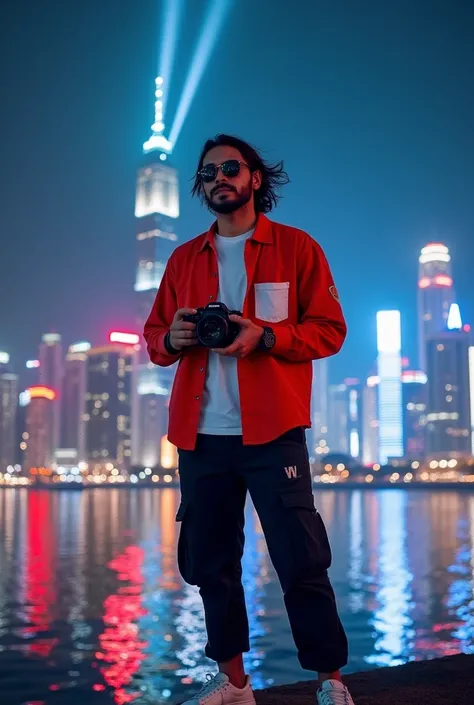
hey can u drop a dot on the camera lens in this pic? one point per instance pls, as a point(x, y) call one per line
point(212, 330)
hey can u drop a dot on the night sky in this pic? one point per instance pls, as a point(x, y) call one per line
point(370, 104)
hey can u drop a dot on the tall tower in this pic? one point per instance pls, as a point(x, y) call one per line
point(448, 412)
point(435, 294)
point(73, 429)
point(156, 213)
point(389, 370)
point(39, 451)
point(8, 407)
point(319, 407)
point(51, 375)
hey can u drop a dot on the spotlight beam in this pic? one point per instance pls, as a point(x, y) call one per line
point(217, 13)
point(170, 21)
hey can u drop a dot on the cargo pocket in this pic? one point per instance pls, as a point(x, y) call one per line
point(183, 547)
point(307, 535)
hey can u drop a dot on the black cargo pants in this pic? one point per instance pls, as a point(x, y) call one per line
point(214, 480)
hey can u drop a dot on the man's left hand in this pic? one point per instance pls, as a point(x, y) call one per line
point(247, 340)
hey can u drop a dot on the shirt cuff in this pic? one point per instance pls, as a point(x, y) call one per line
point(283, 337)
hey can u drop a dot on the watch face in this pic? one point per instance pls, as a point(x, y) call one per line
point(269, 338)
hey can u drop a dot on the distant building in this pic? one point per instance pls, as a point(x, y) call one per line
point(39, 434)
point(338, 420)
point(414, 396)
point(389, 370)
point(435, 294)
point(448, 412)
point(370, 421)
point(111, 402)
point(73, 401)
point(51, 372)
point(8, 408)
point(317, 435)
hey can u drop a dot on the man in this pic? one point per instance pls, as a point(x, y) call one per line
point(238, 414)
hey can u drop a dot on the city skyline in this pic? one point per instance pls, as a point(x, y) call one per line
point(373, 155)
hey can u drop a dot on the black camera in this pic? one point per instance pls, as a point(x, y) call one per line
point(213, 327)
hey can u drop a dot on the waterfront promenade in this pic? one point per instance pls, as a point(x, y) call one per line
point(445, 681)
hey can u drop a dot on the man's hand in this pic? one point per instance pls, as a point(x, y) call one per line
point(182, 333)
point(247, 340)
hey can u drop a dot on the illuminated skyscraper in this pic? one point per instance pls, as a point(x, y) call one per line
point(414, 395)
point(338, 428)
point(157, 213)
point(370, 421)
point(389, 369)
point(8, 407)
point(73, 429)
point(435, 294)
point(51, 371)
point(40, 415)
point(111, 401)
point(448, 417)
point(317, 434)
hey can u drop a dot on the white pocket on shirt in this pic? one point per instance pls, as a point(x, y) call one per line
point(271, 301)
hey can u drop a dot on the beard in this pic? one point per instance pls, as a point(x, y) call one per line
point(230, 206)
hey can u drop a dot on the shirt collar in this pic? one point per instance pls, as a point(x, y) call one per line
point(263, 233)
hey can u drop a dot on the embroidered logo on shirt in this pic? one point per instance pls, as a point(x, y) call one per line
point(334, 293)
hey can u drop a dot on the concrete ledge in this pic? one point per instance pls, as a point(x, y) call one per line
point(445, 681)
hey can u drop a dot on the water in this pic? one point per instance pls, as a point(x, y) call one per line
point(92, 606)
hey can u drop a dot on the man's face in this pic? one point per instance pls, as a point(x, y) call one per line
point(226, 194)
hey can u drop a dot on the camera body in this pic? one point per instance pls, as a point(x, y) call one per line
point(213, 327)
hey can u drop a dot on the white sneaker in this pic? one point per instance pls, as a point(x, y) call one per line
point(219, 691)
point(333, 692)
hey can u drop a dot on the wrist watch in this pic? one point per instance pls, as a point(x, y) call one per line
point(267, 341)
point(168, 347)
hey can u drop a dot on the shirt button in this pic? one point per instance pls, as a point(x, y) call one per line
point(197, 398)
point(214, 274)
point(211, 296)
point(201, 369)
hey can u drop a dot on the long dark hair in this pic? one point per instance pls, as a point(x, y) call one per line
point(273, 175)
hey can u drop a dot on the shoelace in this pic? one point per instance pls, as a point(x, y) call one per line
point(210, 687)
point(334, 697)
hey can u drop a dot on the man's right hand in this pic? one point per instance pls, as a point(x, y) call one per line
point(182, 333)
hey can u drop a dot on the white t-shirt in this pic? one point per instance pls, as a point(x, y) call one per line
point(220, 411)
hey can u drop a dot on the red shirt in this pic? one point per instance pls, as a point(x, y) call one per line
point(289, 284)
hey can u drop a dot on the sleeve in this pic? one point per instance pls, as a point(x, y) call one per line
point(160, 319)
point(322, 328)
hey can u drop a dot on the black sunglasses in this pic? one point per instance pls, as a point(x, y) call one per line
point(230, 168)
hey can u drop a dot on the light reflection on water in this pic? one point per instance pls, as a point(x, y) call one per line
point(91, 603)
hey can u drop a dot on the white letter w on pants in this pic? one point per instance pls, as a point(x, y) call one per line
point(291, 471)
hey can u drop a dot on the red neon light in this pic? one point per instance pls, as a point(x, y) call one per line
point(443, 280)
point(467, 328)
point(424, 282)
point(41, 392)
point(127, 338)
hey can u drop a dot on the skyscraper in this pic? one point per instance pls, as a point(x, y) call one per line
point(156, 213)
point(389, 370)
point(111, 402)
point(338, 426)
point(435, 294)
point(448, 413)
point(370, 421)
point(40, 415)
point(354, 417)
point(317, 434)
point(8, 407)
point(414, 396)
point(73, 429)
point(51, 375)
